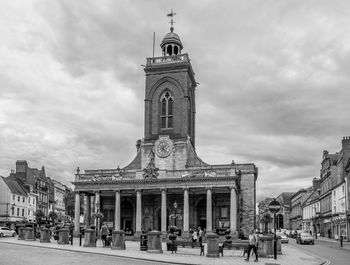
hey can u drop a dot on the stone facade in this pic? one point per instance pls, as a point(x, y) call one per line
point(167, 184)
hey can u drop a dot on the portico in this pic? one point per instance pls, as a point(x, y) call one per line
point(152, 202)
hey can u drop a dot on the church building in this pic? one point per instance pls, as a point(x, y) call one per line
point(167, 184)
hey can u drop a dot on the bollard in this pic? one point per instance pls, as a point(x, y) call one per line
point(29, 234)
point(118, 240)
point(21, 233)
point(63, 236)
point(154, 243)
point(213, 245)
point(90, 238)
point(45, 235)
point(80, 236)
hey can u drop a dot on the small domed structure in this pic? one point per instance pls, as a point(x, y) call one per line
point(171, 44)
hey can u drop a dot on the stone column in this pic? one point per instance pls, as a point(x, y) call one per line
point(87, 206)
point(97, 202)
point(233, 212)
point(138, 212)
point(117, 211)
point(209, 211)
point(163, 211)
point(77, 214)
point(97, 210)
point(186, 213)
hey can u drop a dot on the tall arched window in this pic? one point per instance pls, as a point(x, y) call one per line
point(166, 115)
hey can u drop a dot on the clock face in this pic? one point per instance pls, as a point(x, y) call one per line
point(163, 148)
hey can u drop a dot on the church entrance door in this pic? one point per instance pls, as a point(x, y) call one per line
point(127, 217)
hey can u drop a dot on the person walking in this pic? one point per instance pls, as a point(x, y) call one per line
point(194, 237)
point(200, 235)
point(253, 244)
point(104, 233)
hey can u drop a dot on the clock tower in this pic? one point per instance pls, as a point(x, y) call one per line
point(169, 105)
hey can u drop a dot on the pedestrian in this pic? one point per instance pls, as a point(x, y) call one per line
point(104, 233)
point(194, 237)
point(341, 238)
point(253, 244)
point(200, 235)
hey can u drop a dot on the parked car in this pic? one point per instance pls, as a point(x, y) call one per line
point(5, 231)
point(284, 238)
point(305, 238)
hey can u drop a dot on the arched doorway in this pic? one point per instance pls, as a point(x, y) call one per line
point(202, 214)
point(279, 221)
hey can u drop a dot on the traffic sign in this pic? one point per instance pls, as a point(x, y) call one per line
point(274, 206)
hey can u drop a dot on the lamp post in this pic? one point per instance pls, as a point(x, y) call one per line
point(175, 209)
point(274, 207)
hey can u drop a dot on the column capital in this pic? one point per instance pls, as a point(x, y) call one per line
point(233, 188)
point(77, 192)
point(138, 190)
point(117, 190)
point(163, 189)
point(208, 188)
point(186, 188)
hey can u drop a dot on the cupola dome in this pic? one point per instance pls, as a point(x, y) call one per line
point(171, 44)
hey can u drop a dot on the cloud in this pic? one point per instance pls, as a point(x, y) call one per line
point(273, 83)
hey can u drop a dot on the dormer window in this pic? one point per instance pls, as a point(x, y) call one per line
point(166, 117)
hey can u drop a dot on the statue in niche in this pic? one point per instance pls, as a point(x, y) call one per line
point(151, 171)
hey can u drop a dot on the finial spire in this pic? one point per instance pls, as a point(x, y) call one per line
point(171, 14)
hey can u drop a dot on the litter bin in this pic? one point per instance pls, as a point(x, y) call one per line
point(143, 242)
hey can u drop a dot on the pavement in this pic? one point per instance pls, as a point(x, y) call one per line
point(346, 244)
point(290, 255)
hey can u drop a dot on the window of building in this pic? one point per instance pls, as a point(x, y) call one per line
point(18, 198)
point(22, 212)
point(13, 197)
point(167, 102)
point(28, 212)
point(24, 199)
point(17, 211)
point(13, 211)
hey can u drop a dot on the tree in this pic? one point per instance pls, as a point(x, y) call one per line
point(69, 203)
point(39, 214)
point(266, 219)
point(53, 216)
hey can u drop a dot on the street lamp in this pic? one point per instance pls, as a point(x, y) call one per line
point(175, 208)
point(274, 207)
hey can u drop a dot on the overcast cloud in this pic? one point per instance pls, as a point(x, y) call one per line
point(274, 83)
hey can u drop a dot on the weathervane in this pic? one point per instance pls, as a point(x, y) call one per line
point(171, 14)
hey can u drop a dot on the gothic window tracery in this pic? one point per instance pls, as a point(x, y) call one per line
point(166, 117)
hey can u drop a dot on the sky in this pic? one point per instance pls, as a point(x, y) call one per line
point(273, 80)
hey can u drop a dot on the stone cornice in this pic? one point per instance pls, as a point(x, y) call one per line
point(170, 183)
